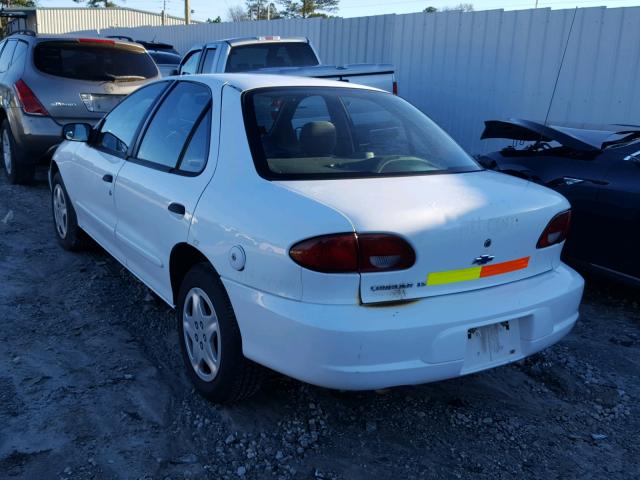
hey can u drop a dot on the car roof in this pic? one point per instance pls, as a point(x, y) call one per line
point(250, 81)
point(235, 41)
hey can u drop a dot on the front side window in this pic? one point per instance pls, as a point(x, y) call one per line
point(119, 127)
point(319, 132)
point(172, 124)
point(190, 65)
point(94, 61)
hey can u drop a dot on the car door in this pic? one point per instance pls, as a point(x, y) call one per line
point(619, 201)
point(157, 190)
point(580, 180)
point(90, 177)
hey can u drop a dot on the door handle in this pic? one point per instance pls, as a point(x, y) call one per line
point(107, 178)
point(177, 208)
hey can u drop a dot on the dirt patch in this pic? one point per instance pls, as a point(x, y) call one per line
point(92, 386)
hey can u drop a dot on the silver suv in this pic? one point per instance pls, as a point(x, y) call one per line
point(46, 82)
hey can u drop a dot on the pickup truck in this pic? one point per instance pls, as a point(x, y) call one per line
point(281, 56)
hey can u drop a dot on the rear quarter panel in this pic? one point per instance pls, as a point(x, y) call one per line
point(240, 208)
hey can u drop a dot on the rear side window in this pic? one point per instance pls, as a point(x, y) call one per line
point(7, 54)
point(121, 124)
point(265, 55)
point(195, 156)
point(173, 123)
point(94, 61)
point(20, 53)
point(209, 57)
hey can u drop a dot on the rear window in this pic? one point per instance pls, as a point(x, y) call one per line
point(319, 132)
point(265, 55)
point(93, 61)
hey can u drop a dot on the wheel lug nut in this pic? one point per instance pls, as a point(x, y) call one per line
point(201, 346)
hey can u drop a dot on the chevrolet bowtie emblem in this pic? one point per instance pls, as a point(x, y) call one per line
point(483, 259)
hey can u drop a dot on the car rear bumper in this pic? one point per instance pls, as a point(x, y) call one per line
point(35, 136)
point(356, 347)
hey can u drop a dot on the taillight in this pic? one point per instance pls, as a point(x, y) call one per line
point(101, 41)
point(30, 103)
point(395, 87)
point(352, 253)
point(556, 230)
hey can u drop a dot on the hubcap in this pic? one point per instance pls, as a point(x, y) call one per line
point(6, 151)
point(201, 334)
point(60, 210)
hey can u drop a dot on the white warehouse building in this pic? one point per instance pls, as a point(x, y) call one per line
point(64, 20)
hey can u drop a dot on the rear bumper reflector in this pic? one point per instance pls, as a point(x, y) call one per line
point(475, 273)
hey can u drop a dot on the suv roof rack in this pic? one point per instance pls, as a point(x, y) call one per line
point(31, 33)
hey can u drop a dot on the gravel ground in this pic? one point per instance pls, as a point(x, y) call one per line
point(92, 386)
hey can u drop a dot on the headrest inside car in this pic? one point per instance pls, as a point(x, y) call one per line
point(318, 139)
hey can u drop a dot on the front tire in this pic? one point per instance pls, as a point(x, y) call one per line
point(210, 339)
point(65, 223)
point(17, 169)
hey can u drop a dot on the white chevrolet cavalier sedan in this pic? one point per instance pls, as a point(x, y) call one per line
point(324, 230)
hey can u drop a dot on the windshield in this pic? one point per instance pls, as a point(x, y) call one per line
point(318, 132)
point(255, 56)
point(93, 61)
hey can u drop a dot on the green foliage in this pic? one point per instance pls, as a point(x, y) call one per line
point(98, 3)
point(307, 8)
point(214, 20)
point(18, 3)
point(430, 10)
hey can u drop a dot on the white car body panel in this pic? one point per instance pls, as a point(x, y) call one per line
point(333, 329)
point(93, 197)
point(253, 217)
point(447, 219)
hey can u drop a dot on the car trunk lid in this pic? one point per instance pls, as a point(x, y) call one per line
point(469, 230)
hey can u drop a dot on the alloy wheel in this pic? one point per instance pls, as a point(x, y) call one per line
point(201, 334)
point(60, 210)
point(6, 151)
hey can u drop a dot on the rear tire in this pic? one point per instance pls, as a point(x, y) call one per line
point(65, 223)
point(210, 339)
point(17, 169)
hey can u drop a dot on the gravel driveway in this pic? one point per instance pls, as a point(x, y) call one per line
point(92, 386)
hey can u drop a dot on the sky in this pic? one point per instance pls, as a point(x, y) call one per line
point(204, 9)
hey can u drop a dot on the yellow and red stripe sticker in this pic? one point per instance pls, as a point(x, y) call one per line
point(475, 273)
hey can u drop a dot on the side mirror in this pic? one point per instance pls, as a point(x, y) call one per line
point(76, 132)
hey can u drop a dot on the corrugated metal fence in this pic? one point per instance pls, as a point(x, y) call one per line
point(464, 68)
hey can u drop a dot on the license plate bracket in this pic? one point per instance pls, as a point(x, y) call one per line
point(492, 344)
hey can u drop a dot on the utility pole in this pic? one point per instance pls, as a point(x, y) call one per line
point(187, 12)
point(164, 12)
